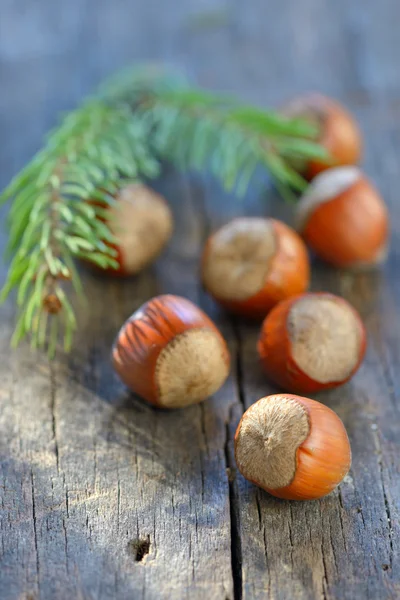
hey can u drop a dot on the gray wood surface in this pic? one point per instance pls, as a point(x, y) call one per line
point(105, 497)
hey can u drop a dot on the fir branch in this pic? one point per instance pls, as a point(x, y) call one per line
point(51, 220)
point(214, 132)
point(196, 129)
point(60, 199)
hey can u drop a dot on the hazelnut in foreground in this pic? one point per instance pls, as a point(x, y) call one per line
point(170, 353)
point(344, 219)
point(252, 263)
point(312, 342)
point(292, 447)
point(141, 222)
point(338, 131)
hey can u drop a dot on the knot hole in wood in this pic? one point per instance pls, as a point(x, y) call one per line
point(139, 548)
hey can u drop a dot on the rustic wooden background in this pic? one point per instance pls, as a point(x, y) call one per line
point(103, 497)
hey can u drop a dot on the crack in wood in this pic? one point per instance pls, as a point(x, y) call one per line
point(261, 524)
point(35, 530)
point(238, 364)
point(236, 545)
point(385, 497)
point(333, 548)
point(118, 500)
point(325, 581)
point(53, 390)
point(66, 497)
point(290, 521)
point(204, 437)
point(66, 545)
point(324, 578)
point(341, 510)
point(360, 512)
point(236, 542)
point(155, 550)
point(94, 462)
point(266, 558)
point(260, 521)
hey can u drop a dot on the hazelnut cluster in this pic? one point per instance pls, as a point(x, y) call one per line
point(171, 354)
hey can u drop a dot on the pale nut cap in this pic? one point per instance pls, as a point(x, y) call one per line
point(325, 187)
point(141, 220)
point(238, 258)
point(192, 367)
point(267, 440)
point(326, 337)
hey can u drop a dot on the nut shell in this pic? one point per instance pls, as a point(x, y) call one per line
point(339, 132)
point(170, 353)
point(287, 270)
point(276, 352)
point(345, 224)
point(141, 221)
point(266, 437)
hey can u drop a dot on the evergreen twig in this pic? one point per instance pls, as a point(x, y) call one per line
point(59, 198)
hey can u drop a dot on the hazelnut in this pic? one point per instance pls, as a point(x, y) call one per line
point(252, 263)
point(339, 132)
point(344, 219)
point(312, 342)
point(141, 221)
point(170, 353)
point(292, 447)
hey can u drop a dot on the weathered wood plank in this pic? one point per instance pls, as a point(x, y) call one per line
point(104, 497)
point(345, 545)
point(124, 500)
point(119, 499)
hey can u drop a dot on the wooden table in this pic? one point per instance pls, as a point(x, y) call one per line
point(103, 497)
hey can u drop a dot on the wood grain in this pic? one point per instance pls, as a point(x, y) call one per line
point(105, 497)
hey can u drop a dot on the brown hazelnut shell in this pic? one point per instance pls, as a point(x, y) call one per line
point(276, 354)
point(155, 328)
point(288, 274)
